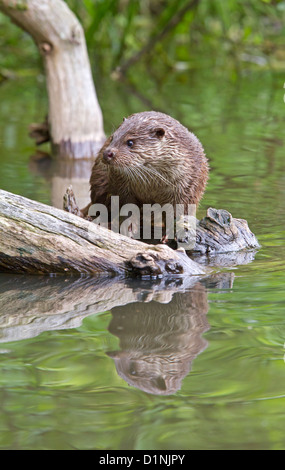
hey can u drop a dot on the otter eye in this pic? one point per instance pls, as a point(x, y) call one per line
point(130, 143)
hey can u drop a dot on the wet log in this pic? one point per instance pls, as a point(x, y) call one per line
point(218, 240)
point(39, 239)
point(222, 240)
point(36, 238)
point(220, 232)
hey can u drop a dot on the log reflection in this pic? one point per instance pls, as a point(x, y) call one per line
point(160, 324)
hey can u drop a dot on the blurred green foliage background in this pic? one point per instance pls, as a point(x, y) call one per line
point(173, 33)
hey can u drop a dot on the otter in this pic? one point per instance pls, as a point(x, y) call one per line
point(151, 158)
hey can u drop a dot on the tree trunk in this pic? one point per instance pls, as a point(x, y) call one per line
point(75, 118)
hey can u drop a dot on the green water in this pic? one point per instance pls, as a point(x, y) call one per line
point(88, 366)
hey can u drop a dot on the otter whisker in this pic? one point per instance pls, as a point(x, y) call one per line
point(147, 175)
point(154, 172)
point(142, 176)
point(136, 175)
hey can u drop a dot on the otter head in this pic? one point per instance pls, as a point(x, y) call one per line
point(137, 142)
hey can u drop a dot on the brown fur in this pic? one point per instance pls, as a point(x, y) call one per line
point(166, 163)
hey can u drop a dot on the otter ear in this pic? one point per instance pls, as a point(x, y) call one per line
point(159, 132)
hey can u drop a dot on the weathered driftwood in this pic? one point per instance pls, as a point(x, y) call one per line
point(36, 238)
point(221, 239)
point(220, 232)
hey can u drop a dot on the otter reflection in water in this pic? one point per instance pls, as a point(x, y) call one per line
point(159, 341)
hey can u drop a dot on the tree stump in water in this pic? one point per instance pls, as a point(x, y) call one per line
point(75, 122)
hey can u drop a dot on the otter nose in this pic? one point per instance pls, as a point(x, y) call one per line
point(108, 156)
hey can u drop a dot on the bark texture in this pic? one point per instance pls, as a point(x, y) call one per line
point(220, 232)
point(36, 238)
point(39, 239)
